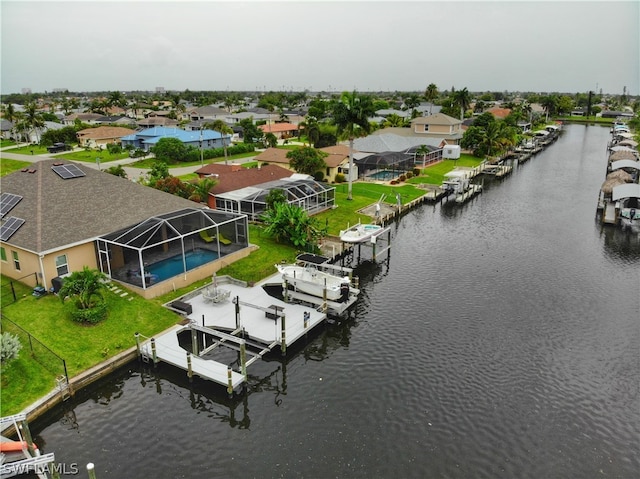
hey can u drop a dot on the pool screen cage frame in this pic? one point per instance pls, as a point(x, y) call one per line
point(397, 162)
point(126, 254)
point(308, 194)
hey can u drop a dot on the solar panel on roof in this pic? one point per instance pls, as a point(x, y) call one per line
point(10, 227)
point(68, 171)
point(7, 202)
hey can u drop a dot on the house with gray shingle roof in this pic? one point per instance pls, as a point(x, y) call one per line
point(58, 217)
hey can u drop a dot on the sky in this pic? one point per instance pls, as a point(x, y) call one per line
point(331, 46)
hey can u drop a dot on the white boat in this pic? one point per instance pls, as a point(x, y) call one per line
point(360, 233)
point(308, 279)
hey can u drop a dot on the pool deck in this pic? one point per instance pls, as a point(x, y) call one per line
point(260, 322)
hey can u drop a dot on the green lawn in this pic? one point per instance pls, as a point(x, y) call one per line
point(29, 149)
point(4, 143)
point(434, 175)
point(81, 346)
point(9, 166)
point(91, 155)
point(149, 162)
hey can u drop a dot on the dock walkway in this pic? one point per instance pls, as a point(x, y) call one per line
point(249, 313)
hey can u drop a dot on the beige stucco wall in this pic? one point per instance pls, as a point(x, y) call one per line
point(77, 257)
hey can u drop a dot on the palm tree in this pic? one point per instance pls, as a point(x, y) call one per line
point(311, 129)
point(430, 94)
point(221, 127)
point(462, 98)
point(351, 117)
point(395, 120)
point(424, 151)
point(33, 119)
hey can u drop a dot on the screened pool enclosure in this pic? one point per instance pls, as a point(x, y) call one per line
point(306, 193)
point(168, 245)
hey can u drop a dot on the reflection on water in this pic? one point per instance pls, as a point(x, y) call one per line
point(499, 339)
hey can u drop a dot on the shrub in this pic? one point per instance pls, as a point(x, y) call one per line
point(318, 176)
point(409, 174)
point(402, 178)
point(416, 172)
point(90, 315)
point(10, 347)
point(340, 178)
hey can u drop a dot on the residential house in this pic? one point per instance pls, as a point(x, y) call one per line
point(498, 112)
point(282, 131)
point(6, 129)
point(438, 125)
point(234, 177)
point(55, 221)
point(148, 138)
point(116, 120)
point(245, 190)
point(154, 121)
point(102, 136)
point(88, 118)
point(207, 113)
point(337, 160)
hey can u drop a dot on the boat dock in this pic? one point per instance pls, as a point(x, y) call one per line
point(21, 456)
point(249, 321)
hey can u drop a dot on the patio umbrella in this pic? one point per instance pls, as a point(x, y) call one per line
point(620, 174)
point(609, 184)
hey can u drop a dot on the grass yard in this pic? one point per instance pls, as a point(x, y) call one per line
point(91, 155)
point(81, 346)
point(28, 149)
point(9, 166)
point(147, 163)
point(4, 143)
point(434, 175)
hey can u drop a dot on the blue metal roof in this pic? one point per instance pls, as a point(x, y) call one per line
point(153, 135)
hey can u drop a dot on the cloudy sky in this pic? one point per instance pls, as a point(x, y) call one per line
point(542, 46)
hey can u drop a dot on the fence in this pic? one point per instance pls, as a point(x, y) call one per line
point(12, 289)
point(35, 348)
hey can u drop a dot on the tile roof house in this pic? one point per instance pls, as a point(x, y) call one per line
point(337, 160)
point(280, 130)
point(102, 135)
point(57, 218)
point(234, 177)
point(499, 113)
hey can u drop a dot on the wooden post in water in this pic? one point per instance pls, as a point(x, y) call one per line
point(285, 289)
point(243, 359)
point(189, 367)
point(137, 336)
point(283, 335)
point(91, 471)
point(24, 427)
point(154, 354)
point(229, 381)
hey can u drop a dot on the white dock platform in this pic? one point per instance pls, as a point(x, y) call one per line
point(258, 318)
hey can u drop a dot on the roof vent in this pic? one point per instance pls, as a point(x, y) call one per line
point(31, 170)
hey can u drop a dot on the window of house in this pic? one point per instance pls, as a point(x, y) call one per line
point(16, 260)
point(426, 127)
point(3, 254)
point(62, 267)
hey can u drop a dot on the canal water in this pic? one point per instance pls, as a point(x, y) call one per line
point(501, 339)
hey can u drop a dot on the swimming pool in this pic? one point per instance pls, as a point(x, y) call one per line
point(167, 268)
point(384, 175)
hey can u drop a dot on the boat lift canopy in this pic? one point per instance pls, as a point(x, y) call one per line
point(628, 190)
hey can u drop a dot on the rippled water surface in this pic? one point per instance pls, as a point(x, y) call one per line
point(501, 339)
